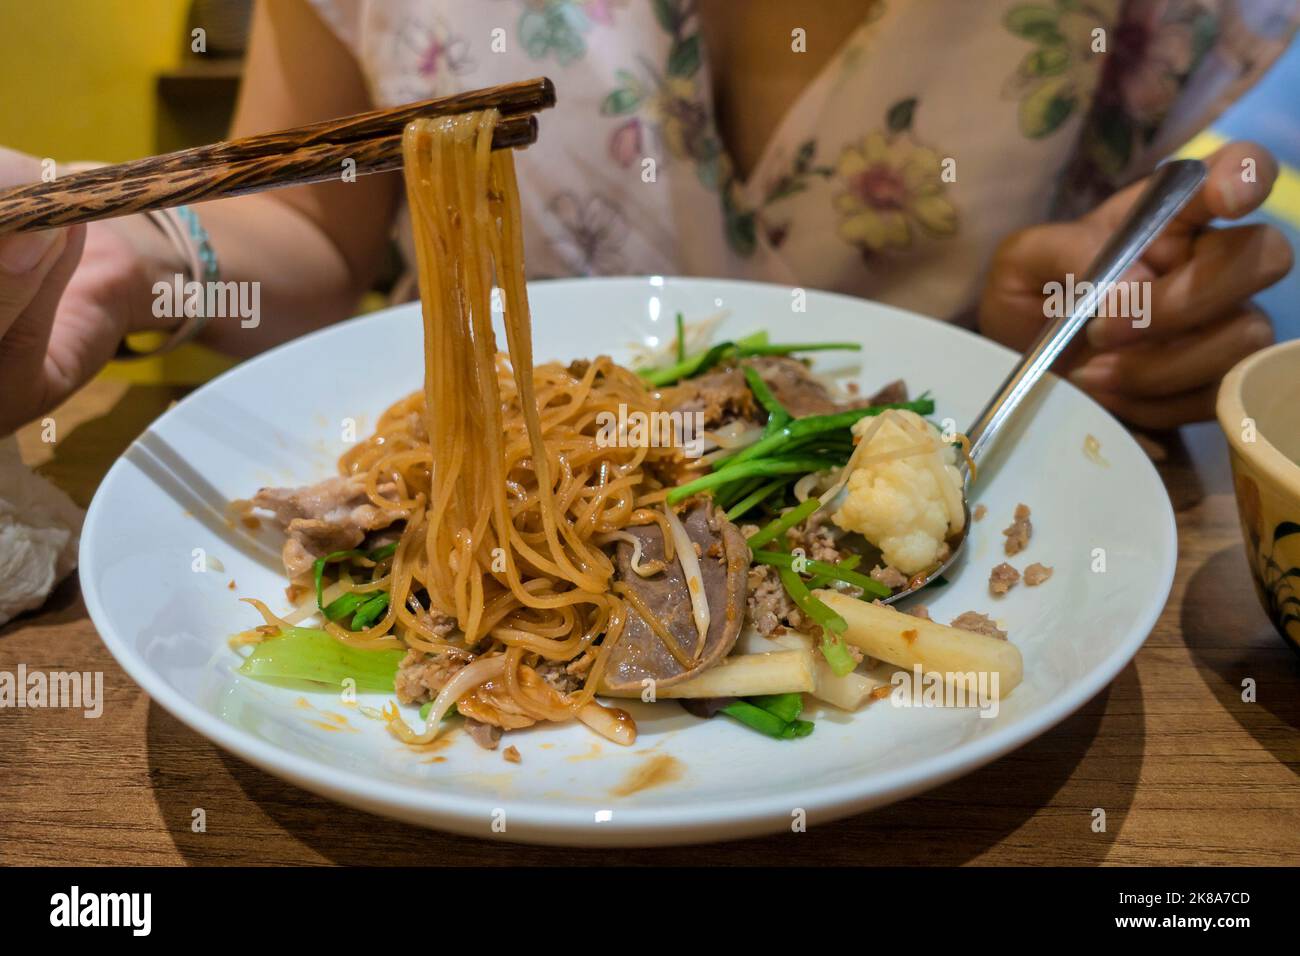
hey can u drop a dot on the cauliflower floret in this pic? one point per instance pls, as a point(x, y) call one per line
point(899, 505)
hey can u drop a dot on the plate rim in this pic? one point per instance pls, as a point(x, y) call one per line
point(549, 822)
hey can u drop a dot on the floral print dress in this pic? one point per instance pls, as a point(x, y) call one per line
point(937, 128)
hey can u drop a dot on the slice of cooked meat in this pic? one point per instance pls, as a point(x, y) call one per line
point(705, 707)
point(722, 395)
point(1036, 574)
point(891, 394)
point(979, 623)
point(640, 652)
point(1018, 531)
point(420, 676)
point(794, 385)
point(486, 736)
point(1003, 578)
point(332, 515)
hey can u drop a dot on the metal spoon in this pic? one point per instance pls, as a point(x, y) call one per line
point(1171, 187)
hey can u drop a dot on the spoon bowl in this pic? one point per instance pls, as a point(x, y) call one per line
point(1171, 186)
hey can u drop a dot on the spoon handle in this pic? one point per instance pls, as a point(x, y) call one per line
point(1171, 186)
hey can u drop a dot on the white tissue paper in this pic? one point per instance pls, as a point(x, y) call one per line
point(40, 528)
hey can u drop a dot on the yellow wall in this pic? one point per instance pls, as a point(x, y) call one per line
point(78, 75)
point(77, 82)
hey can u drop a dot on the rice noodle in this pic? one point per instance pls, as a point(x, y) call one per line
point(504, 490)
point(267, 615)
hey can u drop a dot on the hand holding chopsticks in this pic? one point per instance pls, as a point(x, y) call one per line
point(294, 157)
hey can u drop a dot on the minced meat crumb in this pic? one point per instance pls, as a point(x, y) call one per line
point(979, 623)
point(889, 576)
point(1003, 578)
point(1036, 574)
point(769, 607)
point(420, 676)
point(979, 513)
point(818, 539)
point(1018, 531)
point(558, 675)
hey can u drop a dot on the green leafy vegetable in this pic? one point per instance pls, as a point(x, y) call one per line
point(834, 572)
point(755, 498)
point(700, 362)
point(766, 721)
point(832, 648)
point(381, 554)
point(812, 443)
point(371, 611)
point(766, 466)
point(778, 526)
point(801, 347)
point(814, 425)
point(836, 653)
point(785, 706)
point(797, 728)
point(343, 606)
point(318, 572)
point(736, 491)
point(309, 654)
point(759, 719)
point(777, 415)
point(689, 366)
point(318, 568)
point(848, 564)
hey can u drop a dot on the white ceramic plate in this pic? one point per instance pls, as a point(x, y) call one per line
point(280, 419)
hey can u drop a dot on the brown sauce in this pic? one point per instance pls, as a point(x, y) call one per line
point(656, 771)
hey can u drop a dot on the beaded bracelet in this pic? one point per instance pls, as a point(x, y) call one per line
point(181, 225)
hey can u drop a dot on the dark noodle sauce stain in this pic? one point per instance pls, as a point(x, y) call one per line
point(658, 770)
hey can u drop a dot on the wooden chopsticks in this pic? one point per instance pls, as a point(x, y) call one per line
point(293, 157)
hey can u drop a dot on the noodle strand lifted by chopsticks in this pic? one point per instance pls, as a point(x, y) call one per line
point(505, 490)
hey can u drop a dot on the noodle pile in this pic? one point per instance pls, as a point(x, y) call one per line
point(495, 468)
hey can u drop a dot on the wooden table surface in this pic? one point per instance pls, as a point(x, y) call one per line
point(1186, 771)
